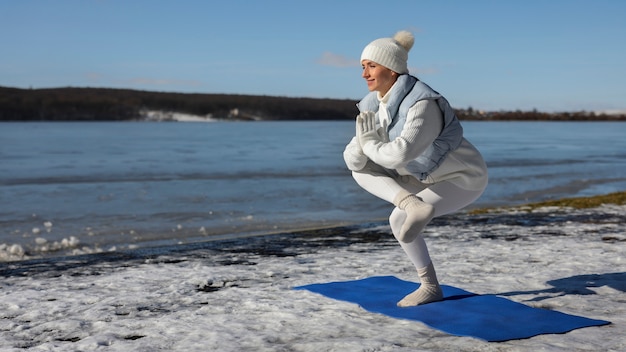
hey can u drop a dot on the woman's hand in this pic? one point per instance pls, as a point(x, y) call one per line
point(366, 128)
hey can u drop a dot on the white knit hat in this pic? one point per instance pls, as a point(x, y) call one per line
point(392, 53)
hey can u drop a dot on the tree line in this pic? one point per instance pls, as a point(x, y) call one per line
point(107, 104)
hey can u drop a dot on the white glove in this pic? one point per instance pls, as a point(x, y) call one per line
point(353, 156)
point(366, 128)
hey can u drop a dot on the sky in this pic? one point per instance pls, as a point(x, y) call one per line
point(556, 55)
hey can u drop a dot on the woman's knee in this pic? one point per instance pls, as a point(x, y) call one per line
point(360, 178)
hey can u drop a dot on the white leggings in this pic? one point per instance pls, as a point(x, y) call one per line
point(445, 196)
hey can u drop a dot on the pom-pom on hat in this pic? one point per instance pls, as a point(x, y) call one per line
point(392, 53)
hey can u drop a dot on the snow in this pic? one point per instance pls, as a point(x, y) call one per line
point(237, 295)
point(159, 115)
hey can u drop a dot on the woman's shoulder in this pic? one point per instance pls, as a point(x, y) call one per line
point(425, 108)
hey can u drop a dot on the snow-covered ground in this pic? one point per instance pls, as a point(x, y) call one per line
point(238, 296)
point(158, 115)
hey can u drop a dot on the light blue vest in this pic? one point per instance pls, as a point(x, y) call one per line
point(407, 91)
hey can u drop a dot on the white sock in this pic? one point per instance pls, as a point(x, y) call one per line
point(429, 290)
point(418, 215)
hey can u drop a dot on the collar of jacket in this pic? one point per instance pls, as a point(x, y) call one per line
point(399, 91)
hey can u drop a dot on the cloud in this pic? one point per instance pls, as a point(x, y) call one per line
point(93, 77)
point(425, 70)
point(330, 59)
point(335, 60)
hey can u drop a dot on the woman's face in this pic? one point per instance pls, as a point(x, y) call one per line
point(378, 78)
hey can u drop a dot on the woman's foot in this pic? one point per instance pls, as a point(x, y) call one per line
point(424, 294)
point(418, 215)
point(429, 291)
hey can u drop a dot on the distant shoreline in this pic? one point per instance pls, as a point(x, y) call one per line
point(107, 104)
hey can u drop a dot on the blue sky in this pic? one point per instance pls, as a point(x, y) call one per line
point(550, 55)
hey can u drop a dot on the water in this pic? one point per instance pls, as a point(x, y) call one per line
point(121, 184)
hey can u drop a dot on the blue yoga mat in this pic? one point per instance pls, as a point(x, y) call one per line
point(461, 313)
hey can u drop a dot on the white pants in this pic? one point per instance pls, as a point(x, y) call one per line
point(445, 197)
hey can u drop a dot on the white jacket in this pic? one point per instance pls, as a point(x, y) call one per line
point(463, 166)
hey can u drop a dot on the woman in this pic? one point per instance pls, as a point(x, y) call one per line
point(409, 150)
